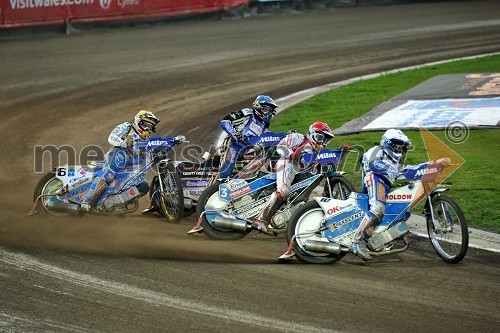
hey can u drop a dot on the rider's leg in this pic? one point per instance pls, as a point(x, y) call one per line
point(230, 158)
point(358, 242)
point(285, 172)
point(377, 190)
point(115, 160)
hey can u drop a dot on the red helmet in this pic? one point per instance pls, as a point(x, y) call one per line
point(319, 134)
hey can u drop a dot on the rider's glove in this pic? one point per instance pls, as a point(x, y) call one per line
point(128, 147)
point(443, 161)
point(345, 147)
point(179, 139)
point(237, 136)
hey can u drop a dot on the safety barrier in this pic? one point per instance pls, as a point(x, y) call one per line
point(20, 13)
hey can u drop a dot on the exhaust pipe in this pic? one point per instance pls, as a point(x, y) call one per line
point(235, 224)
point(61, 207)
point(322, 247)
point(188, 203)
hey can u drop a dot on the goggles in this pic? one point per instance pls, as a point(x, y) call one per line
point(268, 109)
point(320, 138)
point(147, 126)
point(398, 146)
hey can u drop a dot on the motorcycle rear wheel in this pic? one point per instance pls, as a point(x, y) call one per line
point(303, 220)
point(209, 200)
point(448, 231)
point(48, 184)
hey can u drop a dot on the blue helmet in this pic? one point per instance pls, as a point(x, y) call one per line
point(395, 143)
point(264, 107)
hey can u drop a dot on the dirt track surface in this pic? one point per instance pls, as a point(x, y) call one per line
point(140, 274)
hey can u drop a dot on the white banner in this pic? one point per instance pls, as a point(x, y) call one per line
point(440, 113)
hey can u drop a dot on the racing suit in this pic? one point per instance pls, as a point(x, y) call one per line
point(240, 125)
point(124, 156)
point(291, 149)
point(379, 173)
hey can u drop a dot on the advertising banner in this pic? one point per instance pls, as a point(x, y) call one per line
point(473, 112)
point(471, 99)
point(25, 12)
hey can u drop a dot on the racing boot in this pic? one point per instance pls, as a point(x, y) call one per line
point(96, 190)
point(261, 223)
point(263, 226)
point(360, 238)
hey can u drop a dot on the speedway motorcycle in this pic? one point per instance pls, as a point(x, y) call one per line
point(320, 231)
point(226, 209)
point(62, 191)
point(196, 177)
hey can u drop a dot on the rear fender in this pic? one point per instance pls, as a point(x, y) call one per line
point(74, 175)
point(332, 207)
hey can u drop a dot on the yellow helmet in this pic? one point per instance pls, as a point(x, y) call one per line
point(145, 123)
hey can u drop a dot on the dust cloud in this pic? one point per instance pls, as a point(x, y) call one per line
point(135, 235)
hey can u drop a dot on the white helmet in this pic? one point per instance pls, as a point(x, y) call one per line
point(395, 143)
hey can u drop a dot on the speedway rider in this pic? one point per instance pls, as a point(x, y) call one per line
point(125, 139)
point(243, 124)
point(291, 149)
point(381, 166)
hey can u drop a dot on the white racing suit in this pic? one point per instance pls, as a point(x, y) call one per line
point(291, 148)
point(379, 173)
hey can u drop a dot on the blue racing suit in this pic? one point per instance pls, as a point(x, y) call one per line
point(240, 125)
point(379, 173)
point(124, 156)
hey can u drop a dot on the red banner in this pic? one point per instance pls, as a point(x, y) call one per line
point(27, 12)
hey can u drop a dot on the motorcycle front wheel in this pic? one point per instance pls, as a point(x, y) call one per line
point(302, 224)
point(170, 202)
point(209, 203)
point(340, 188)
point(448, 231)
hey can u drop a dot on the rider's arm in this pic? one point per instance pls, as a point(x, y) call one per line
point(385, 169)
point(227, 126)
point(415, 172)
point(232, 121)
point(116, 138)
point(289, 144)
point(284, 148)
